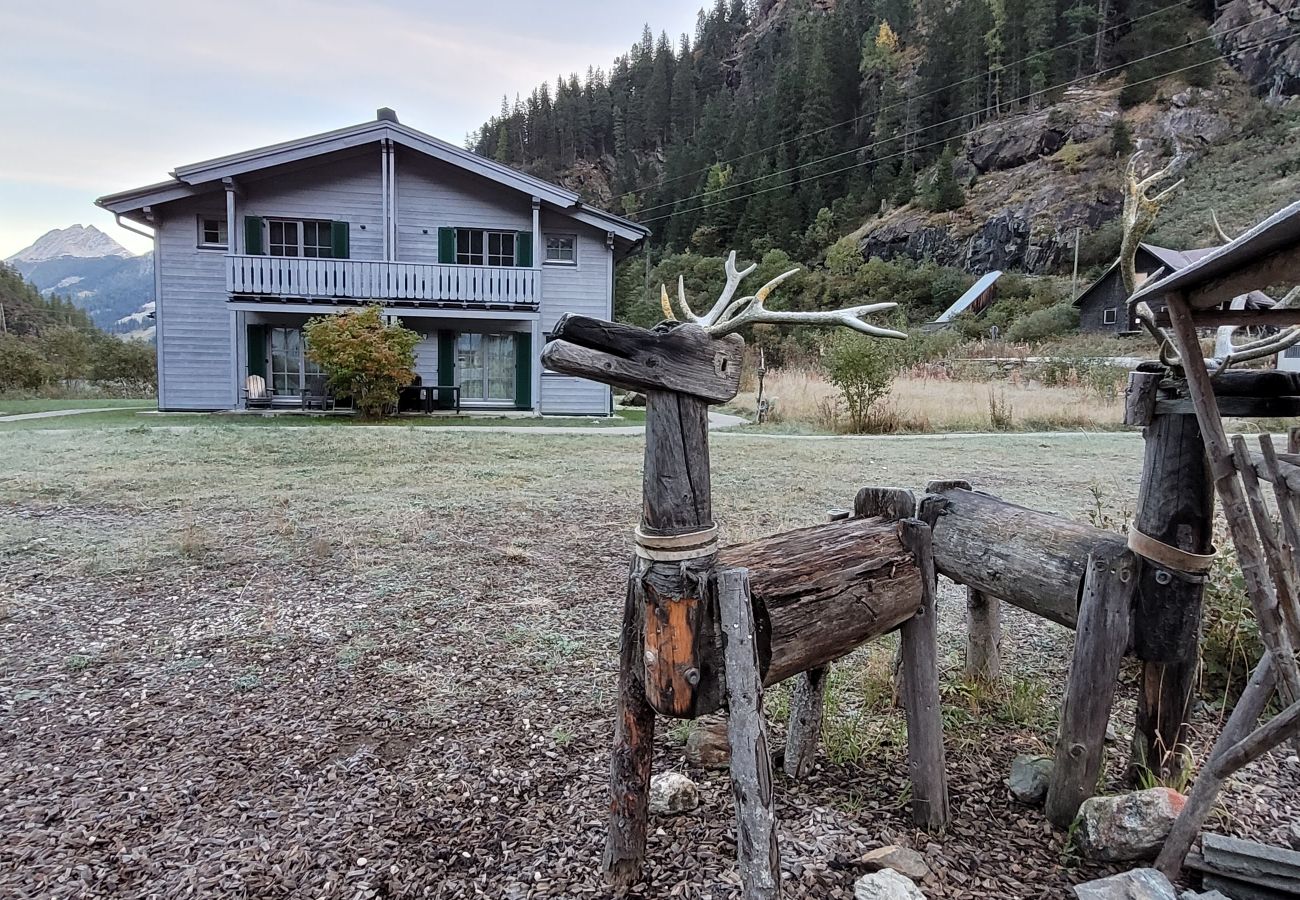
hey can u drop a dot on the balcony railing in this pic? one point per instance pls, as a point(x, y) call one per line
point(359, 279)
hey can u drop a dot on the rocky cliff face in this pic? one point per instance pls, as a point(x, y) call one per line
point(1261, 40)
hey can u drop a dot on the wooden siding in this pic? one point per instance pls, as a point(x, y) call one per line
point(344, 188)
point(585, 289)
point(433, 195)
point(194, 348)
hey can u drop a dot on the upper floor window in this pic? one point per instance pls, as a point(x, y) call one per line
point(476, 247)
point(212, 233)
point(310, 238)
point(562, 249)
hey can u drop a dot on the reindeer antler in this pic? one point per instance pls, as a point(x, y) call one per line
point(728, 315)
point(1140, 211)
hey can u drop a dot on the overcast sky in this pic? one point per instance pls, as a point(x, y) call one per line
point(98, 96)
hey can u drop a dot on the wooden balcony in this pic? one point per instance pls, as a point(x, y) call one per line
point(359, 279)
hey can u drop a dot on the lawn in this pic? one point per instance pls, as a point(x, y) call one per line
point(139, 416)
point(339, 662)
point(10, 407)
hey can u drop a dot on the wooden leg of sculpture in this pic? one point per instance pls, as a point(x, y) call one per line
point(1251, 705)
point(751, 763)
point(805, 728)
point(629, 776)
point(1176, 506)
point(1105, 618)
point(919, 642)
point(983, 636)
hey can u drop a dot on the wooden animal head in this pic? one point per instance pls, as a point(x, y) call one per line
point(700, 355)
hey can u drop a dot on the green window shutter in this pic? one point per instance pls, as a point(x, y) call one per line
point(253, 235)
point(524, 249)
point(446, 366)
point(257, 350)
point(524, 371)
point(447, 246)
point(339, 240)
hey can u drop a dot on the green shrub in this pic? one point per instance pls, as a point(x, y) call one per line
point(1044, 324)
point(364, 357)
point(1231, 644)
point(22, 368)
point(863, 369)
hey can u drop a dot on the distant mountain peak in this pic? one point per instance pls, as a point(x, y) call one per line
point(81, 241)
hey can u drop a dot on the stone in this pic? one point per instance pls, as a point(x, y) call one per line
point(672, 793)
point(1030, 776)
point(706, 743)
point(1208, 895)
point(903, 860)
point(886, 885)
point(1127, 826)
point(633, 399)
point(1139, 884)
point(1253, 40)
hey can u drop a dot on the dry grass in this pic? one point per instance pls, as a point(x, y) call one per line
point(924, 404)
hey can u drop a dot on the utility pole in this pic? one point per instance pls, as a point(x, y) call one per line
point(1074, 280)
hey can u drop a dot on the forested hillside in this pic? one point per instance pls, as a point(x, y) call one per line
point(788, 123)
point(48, 343)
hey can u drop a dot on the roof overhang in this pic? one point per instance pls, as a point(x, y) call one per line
point(197, 177)
point(1267, 254)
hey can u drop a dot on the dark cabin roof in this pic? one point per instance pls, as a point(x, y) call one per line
point(1269, 253)
point(1173, 261)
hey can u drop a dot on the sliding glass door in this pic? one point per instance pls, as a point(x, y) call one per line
point(291, 370)
point(485, 366)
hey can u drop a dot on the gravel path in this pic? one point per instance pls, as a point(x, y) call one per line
point(54, 413)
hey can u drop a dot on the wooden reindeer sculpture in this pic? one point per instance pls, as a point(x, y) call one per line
point(698, 633)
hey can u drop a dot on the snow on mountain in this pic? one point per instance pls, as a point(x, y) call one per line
point(82, 241)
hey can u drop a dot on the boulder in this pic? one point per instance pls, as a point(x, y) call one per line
point(902, 860)
point(632, 398)
point(886, 885)
point(706, 743)
point(1140, 884)
point(672, 793)
point(1194, 118)
point(1127, 826)
point(1030, 776)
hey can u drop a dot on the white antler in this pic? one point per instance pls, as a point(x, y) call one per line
point(728, 315)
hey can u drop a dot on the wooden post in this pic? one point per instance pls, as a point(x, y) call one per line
point(1273, 631)
point(805, 729)
point(1250, 706)
point(676, 552)
point(1176, 507)
point(983, 636)
point(1140, 397)
point(919, 640)
point(1105, 616)
point(629, 770)
point(751, 763)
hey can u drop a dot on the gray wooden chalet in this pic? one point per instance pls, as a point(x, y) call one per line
point(1104, 306)
point(480, 259)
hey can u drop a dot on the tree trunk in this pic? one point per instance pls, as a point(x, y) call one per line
point(1028, 558)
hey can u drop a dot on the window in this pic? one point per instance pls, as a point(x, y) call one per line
point(475, 247)
point(1108, 316)
point(308, 238)
point(212, 233)
point(485, 366)
point(562, 249)
point(291, 369)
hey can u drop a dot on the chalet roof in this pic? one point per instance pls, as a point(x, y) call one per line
point(1266, 254)
point(977, 290)
point(190, 179)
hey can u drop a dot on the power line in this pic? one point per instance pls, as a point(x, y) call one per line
point(949, 121)
point(838, 171)
point(906, 101)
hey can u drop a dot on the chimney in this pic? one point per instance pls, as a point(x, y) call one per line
point(386, 114)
